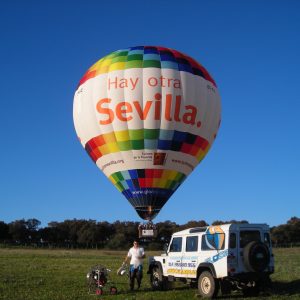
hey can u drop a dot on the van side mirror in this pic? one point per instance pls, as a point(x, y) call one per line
point(166, 245)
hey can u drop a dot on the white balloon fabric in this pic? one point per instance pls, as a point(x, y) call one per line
point(147, 116)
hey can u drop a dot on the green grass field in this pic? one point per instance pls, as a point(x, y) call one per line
point(61, 275)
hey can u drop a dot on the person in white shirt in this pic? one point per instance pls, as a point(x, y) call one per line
point(136, 255)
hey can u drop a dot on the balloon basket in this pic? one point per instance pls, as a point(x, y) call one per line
point(147, 231)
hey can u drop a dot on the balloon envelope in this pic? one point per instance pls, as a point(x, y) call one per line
point(147, 116)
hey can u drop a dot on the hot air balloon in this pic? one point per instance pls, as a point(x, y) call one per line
point(147, 116)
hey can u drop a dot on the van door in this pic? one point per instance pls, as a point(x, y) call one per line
point(189, 257)
point(246, 235)
point(174, 257)
point(233, 252)
point(267, 242)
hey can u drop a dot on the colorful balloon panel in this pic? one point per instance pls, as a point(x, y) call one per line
point(147, 116)
point(146, 57)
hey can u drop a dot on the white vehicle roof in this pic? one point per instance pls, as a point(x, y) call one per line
point(224, 227)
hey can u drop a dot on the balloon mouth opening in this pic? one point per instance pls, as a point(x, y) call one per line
point(147, 212)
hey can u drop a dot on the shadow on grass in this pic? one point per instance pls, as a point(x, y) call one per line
point(286, 288)
point(278, 288)
point(139, 292)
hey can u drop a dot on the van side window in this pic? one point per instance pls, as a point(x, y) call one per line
point(215, 241)
point(247, 236)
point(267, 240)
point(191, 243)
point(232, 240)
point(176, 244)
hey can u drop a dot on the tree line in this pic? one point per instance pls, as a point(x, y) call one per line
point(117, 235)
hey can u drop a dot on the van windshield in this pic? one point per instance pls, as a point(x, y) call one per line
point(247, 236)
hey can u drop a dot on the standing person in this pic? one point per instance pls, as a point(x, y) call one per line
point(136, 255)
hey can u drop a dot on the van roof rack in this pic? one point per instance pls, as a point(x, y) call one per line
point(198, 229)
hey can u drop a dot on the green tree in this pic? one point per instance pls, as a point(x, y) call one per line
point(4, 232)
point(18, 231)
point(87, 234)
point(119, 242)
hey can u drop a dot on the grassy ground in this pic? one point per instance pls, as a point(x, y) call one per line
point(61, 275)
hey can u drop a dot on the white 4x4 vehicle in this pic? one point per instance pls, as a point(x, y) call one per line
point(226, 257)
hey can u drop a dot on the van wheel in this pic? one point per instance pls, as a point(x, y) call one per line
point(156, 278)
point(256, 256)
point(207, 285)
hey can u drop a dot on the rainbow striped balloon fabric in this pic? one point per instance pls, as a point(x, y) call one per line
point(147, 116)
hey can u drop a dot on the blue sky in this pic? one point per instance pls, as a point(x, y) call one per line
point(251, 48)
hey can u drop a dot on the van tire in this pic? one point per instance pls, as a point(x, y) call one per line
point(207, 285)
point(256, 256)
point(157, 280)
